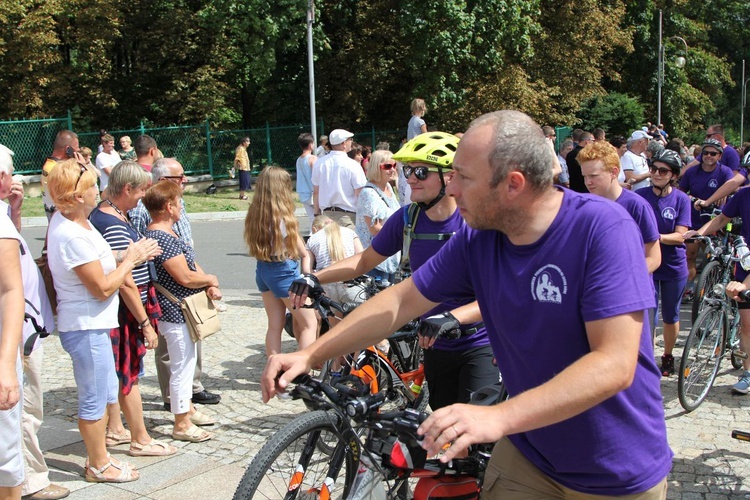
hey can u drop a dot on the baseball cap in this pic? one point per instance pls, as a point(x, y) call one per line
point(639, 134)
point(338, 136)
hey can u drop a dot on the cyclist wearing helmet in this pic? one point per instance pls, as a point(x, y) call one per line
point(672, 210)
point(453, 368)
point(702, 182)
point(740, 179)
point(737, 206)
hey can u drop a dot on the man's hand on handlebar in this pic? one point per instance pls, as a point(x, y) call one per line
point(690, 234)
point(443, 325)
point(301, 288)
point(733, 290)
point(280, 371)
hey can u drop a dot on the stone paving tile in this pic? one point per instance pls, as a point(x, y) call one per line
point(708, 464)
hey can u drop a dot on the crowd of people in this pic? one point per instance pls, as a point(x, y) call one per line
point(486, 211)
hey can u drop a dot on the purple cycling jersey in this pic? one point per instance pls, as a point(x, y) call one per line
point(739, 206)
point(701, 184)
point(671, 211)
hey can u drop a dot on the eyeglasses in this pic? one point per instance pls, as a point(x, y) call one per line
point(177, 177)
point(711, 153)
point(419, 172)
point(708, 136)
point(83, 171)
point(661, 170)
point(388, 166)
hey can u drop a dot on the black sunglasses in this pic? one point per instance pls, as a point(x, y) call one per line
point(83, 171)
point(661, 170)
point(711, 153)
point(419, 172)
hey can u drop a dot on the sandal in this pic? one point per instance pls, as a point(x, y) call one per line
point(153, 449)
point(126, 473)
point(199, 418)
point(114, 439)
point(193, 435)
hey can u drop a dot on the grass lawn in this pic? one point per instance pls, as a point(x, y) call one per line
point(225, 200)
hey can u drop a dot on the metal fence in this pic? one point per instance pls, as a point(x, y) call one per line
point(200, 149)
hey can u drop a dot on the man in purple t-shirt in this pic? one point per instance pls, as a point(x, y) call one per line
point(585, 412)
point(600, 165)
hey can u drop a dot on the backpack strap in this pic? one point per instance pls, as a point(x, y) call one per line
point(410, 223)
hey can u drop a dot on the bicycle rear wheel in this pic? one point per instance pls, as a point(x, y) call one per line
point(292, 466)
point(701, 358)
point(710, 275)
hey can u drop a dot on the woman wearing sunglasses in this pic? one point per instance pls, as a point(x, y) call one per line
point(454, 367)
point(375, 204)
point(672, 210)
point(701, 182)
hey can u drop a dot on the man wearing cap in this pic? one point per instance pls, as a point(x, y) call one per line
point(637, 174)
point(702, 182)
point(337, 180)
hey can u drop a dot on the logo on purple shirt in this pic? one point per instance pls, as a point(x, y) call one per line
point(669, 213)
point(546, 284)
point(712, 183)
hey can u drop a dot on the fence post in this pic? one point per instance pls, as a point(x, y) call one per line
point(143, 129)
point(373, 137)
point(70, 121)
point(269, 159)
point(208, 148)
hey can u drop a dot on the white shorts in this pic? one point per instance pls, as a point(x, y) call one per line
point(11, 452)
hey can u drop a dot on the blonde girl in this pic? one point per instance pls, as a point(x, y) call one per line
point(272, 237)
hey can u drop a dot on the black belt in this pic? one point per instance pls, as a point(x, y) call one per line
point(337, 209)
point(471, 331)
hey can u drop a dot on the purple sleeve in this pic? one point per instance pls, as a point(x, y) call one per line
point(732, 208)
point(683, 212)
point(685, 180)
point(646, 220)
point(727, 173)
point(449, 265)
point(390, 239)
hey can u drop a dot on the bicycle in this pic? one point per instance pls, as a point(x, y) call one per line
point(376, 454)
point(399, 372)
point(715, 332)
point(718, 268)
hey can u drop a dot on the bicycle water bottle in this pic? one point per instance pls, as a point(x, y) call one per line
point(743, 253)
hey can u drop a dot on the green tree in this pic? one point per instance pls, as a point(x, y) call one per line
point(616, 113)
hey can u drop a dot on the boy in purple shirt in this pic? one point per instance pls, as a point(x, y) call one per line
point(456, 367)
point(586, 411)
point(600, 165)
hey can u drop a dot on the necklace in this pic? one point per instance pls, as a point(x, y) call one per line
point(119, 212)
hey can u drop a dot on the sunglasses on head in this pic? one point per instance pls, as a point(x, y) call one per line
point(711, 153)
point(419, 172)
point(387, 166)
point(80, 174)
point(661, 170)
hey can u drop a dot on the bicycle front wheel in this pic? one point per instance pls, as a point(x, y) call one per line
point(701, 358)
point(710, 275)
point(294, 465)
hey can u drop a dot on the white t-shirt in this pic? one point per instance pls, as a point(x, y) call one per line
point(33, 286)
point(636, 163)
point(337, 177)
point(415, 127)
point(106, 160)
point(69, 245)
point(7, 231)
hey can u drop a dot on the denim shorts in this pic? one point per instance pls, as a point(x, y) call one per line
point(276, 277)
point(93, 370)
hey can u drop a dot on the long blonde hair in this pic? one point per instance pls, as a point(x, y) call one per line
point(272, 205)
point(334, 242)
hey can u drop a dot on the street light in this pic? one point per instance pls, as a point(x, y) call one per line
point(311, 68)
point(743, 102)
point(678, 62)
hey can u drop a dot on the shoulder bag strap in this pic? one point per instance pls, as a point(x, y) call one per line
point(166, 293)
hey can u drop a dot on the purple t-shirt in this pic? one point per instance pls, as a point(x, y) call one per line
point(739, 206)
point(535, 300)
point(641, 214)
point(701, 184)
point(390, 240)
point(671, 210)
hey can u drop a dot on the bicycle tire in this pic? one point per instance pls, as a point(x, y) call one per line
point(710, 275)
point(270, 472)
point(701, 358)
point(733, 343)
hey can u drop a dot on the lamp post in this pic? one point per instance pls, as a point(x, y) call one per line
point(679, 62)
point(311, 68)
point(743, 102)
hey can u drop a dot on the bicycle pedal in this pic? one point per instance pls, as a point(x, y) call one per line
point(737, 353)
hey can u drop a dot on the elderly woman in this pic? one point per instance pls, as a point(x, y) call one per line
point(179, 274)
point(375, 204)
point(87, 279)
point(138, 312)
point(127, 151)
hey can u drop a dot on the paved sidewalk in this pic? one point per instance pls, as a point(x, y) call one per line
point(708, 464)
